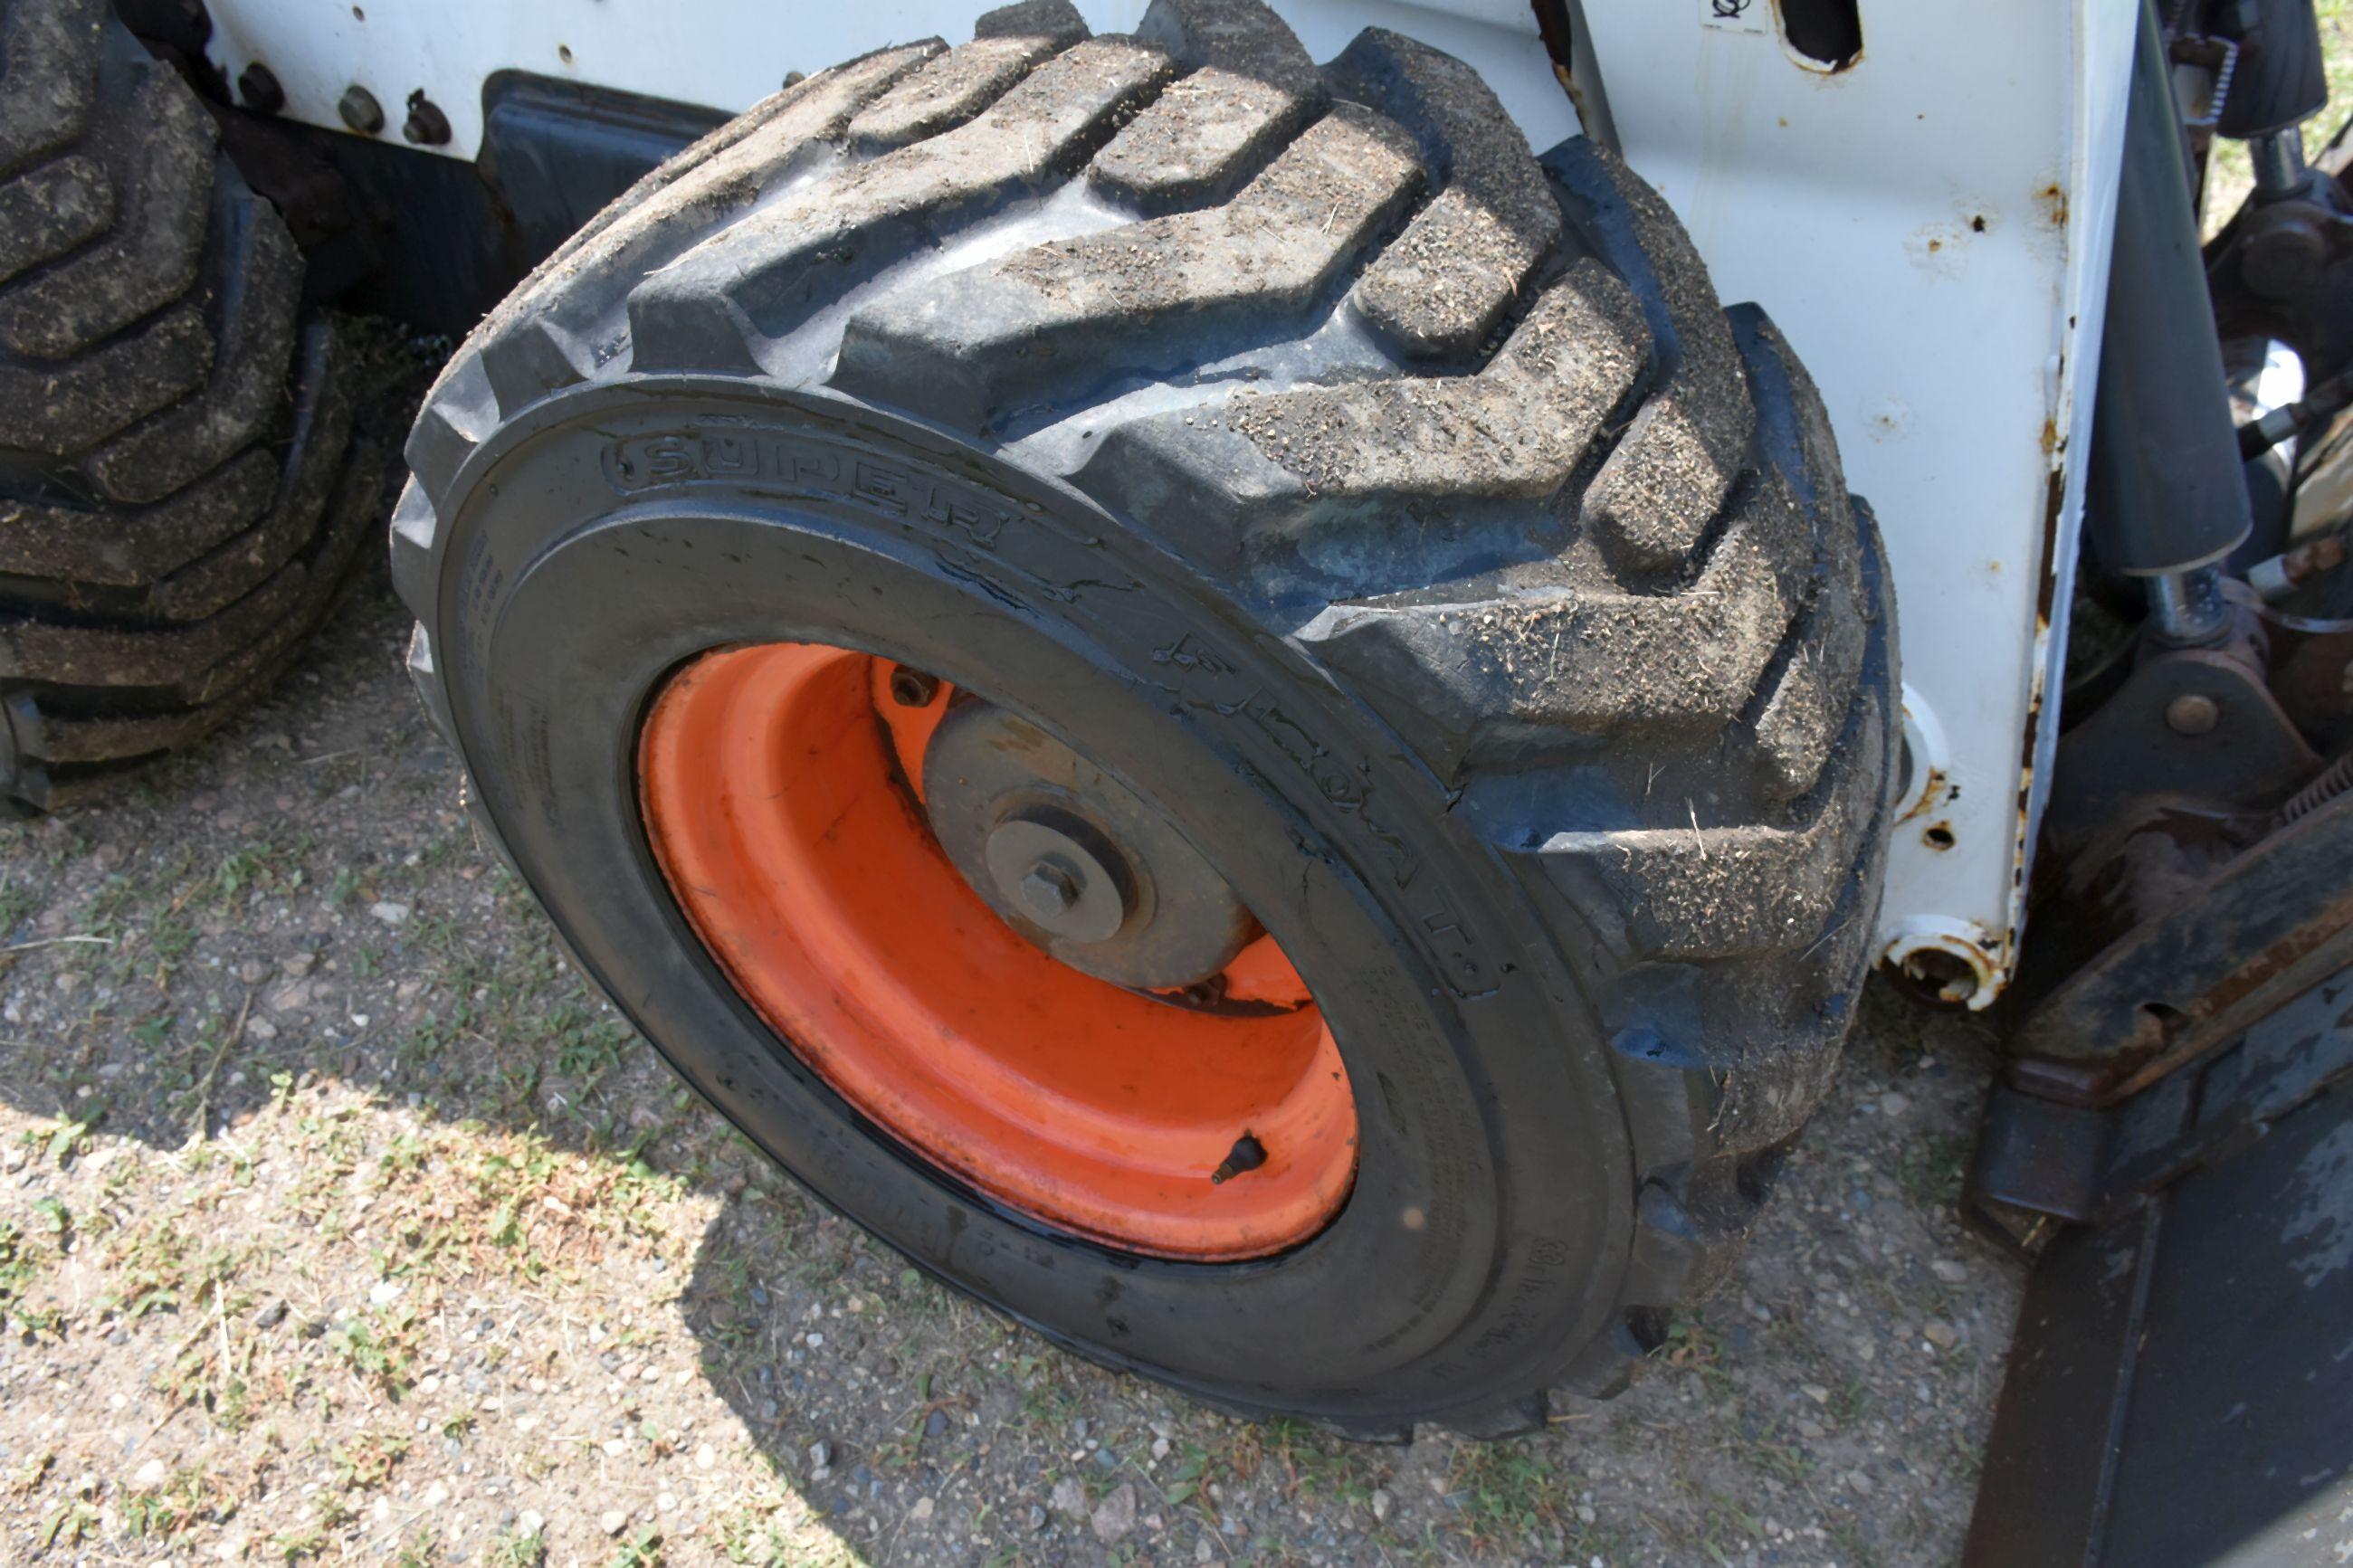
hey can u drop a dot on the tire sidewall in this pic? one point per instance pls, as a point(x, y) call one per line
point(606, 536)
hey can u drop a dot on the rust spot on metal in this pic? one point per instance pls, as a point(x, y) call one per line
point(1937, 836)
point(2052, 199)
point(1937, 976)
point(1935, 790)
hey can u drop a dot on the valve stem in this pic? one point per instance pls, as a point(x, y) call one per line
point(1247, 1154)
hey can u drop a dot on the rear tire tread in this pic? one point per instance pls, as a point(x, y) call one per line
point(172, 521)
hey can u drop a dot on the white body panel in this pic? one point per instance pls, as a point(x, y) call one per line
point(1930, 227)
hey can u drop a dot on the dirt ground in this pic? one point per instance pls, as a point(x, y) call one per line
point(340, 1220)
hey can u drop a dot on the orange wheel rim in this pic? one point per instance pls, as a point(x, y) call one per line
point(780, 787)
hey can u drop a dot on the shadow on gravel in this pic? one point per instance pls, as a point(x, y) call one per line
point(363, 1192)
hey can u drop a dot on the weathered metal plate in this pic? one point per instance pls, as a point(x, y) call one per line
point(2180, 1389)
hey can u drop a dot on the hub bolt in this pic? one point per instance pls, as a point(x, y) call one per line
point(425, 126)
point(258, 89)
point(1048, 889)
point(360, 111)
point(2192, 713)
point(1056, 871)
point(912, 687)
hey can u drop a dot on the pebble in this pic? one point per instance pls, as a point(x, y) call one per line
point(299, 964)
point(253, 972)
point(1894, 1104)
point(151, 1475)
point(1382, 1504)
point(530, 1523)
point(612, 1520)
point(821, 1454)
point(1939, 1333)
point(921, 1510)
point(1950, 1271)
point(1815, 1392)
point(1037, 1517)
point(1116, 1516)
point(436, 1495)
point(389, 912)
point(1068, 1497)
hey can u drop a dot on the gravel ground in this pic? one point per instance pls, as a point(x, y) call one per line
point(338, 1220)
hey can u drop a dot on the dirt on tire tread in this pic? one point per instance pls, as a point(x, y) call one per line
point(178, 456)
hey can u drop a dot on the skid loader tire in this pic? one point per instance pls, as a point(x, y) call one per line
point(180, 484)
point(1396, 507)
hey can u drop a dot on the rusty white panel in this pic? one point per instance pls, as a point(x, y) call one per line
point(729, 54)
point(1929, 225)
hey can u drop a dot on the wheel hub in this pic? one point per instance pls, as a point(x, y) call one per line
point(925, 895)
point(1073, 860)
point(1043, 864)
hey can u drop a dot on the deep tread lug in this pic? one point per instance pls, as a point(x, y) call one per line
point(49, 67)
point(1605, 1368)
point(1007, 44)
point(47, 211)
point(532, 359)
point(723, 173)
point(1659, 493)
point(61, 410)
point(1251, 85)
point(426, 679)
point(259, 288)
point(1278, 474)
point(323, 433)
point(990, 338)
point(768, 272)
point(131, 548)
point(1680, 1253)
point(1442, 288)
point(1672, 1096)
point(413, 528)
point(457, 415)
point(163, 185)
